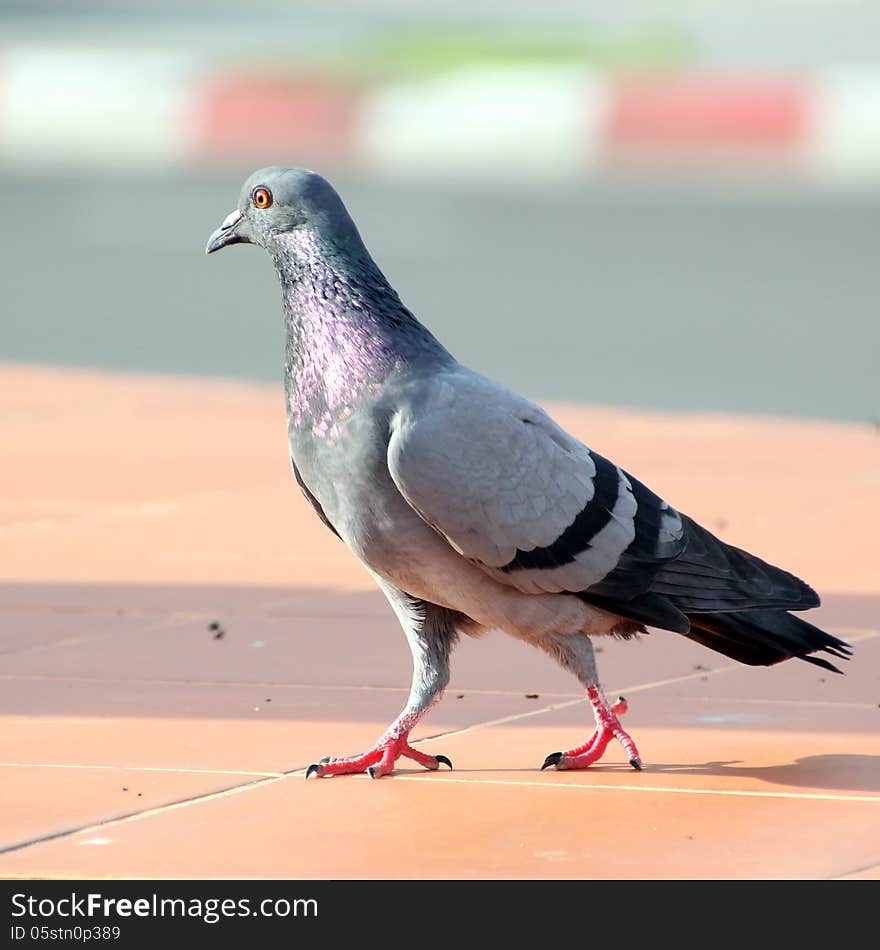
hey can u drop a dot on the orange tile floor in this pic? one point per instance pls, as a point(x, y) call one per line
point(135, 743)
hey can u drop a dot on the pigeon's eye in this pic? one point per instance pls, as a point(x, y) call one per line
point(262, 197)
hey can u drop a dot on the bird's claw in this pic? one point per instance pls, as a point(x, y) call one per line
point(431, 762)
point(377, 762)
point(553, 759)
point(607, 728)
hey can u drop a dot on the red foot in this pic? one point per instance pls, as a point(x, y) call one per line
point(378, 761)
point(607, 728)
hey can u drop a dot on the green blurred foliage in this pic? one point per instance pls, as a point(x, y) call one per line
point(417, 51)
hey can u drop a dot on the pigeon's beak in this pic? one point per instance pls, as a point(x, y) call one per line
point(228, 233)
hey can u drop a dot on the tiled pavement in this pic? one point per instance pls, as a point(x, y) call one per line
point(136, 743)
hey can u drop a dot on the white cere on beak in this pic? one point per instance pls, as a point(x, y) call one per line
point(231, 220)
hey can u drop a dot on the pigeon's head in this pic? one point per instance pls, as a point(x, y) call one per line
point(276, 201)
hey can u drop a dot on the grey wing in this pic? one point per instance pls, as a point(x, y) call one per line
point(310, 498)
point(511, 490)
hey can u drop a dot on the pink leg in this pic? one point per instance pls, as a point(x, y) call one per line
point(607, 728)
point(379, 760)
point(618, 708)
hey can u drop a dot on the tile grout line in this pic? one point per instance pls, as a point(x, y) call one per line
point(554, 706)
point(137, 815)
point(47, 677)
point(856, 870)
point(167, 622)
point(626, 690)
point(138, 768)
point(183, 617)
point(98, 514)
point(237, 789)
point(734, 793)
point(431, 738)
point(183, 803)
point(467, 690)
point(858, 634)
point(257, 611)
point(276, 777)
point(145, 813)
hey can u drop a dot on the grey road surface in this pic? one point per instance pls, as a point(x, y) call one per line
point(684, 299)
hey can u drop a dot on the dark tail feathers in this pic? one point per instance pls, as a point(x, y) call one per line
point(765, 637)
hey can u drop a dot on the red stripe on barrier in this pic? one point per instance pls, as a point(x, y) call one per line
point(272, 118)
point(706, 115)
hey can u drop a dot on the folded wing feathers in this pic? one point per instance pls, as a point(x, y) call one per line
point(534, 507)
point(711, 575)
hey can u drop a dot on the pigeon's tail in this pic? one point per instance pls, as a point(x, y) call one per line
point(765, 637)
point(734, 603)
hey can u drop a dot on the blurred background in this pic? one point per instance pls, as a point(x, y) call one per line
point(678, 209)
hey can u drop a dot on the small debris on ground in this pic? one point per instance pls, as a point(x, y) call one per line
point(699, 668)
point(533, 695)
point(217, 629)
point(124, 788)
point(460, 696)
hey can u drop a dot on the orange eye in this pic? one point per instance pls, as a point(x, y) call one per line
point(262, 197)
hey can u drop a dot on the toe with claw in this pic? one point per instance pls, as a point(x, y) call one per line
point(607, 728)
point(378, 761)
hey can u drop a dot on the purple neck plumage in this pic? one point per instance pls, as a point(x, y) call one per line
point(347, 329)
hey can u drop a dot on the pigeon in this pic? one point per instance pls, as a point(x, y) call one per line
point(469, 506)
